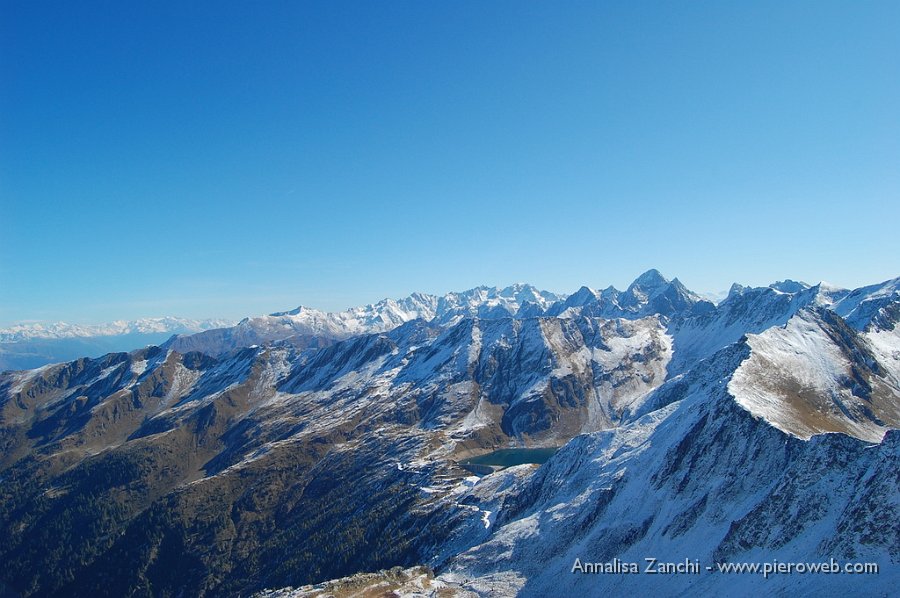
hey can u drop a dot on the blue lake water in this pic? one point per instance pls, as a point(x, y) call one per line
point(510, 457)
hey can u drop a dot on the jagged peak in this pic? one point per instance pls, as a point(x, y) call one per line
point(683, 290)
point(649, 279)
point(736, 289)
point(610, 290)
point(518, 287)
point(582, 295)
point(291, 312)
point(789, 286)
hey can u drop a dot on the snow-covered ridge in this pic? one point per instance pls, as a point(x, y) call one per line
point(700, 326)
point(650, 294)
point(814, 376)
point(57, 330)
point(389, 313)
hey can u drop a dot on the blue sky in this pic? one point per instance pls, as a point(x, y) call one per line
point(236, 158)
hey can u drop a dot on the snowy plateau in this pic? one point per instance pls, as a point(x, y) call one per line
point(307, 453)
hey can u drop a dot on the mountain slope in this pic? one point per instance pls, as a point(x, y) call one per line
point(703, 479)
point(157, 472)
point(817, 375)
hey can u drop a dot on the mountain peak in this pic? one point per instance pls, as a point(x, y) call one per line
point(292, 312)
point(583, 295)
point(650, 278)
point(736, 289)
point(789, 286)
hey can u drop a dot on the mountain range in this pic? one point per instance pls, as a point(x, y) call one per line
point(306, 446)
point(26, 346)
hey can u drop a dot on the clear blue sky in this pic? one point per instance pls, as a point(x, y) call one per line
point(236, 158)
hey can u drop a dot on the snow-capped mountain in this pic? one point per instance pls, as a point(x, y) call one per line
point(306, 325)
point(869, 307)
point(60, 330)
point(760, 428)
point(650, 294)
point(33, 345)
